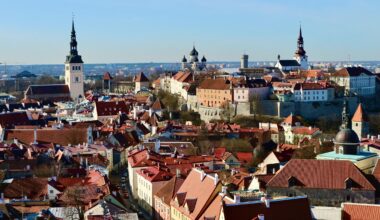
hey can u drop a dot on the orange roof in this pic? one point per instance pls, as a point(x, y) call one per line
point(155, 174)
point(305, 130)
point(192, 201)
point(360, 115)
point(331, 174)
point(291, 119)
point(244, 157)
point(357, 211)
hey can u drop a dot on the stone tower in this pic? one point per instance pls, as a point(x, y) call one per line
point(74, 69)
point(360, 122)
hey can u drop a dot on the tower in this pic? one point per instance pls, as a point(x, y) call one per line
point(74, 69)
point(244, 61)
point(107, 83)
point(300, 54)
point(360, 122)
point(184, 63)
point(346, 140)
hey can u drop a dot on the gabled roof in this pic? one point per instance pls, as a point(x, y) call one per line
point(140, 77)
point(111, 108)
point(360, 115)
point(155, 174)
point(33, 188)
point(183, 76)
point(48, 89)
point(217, 84)
point(289, 63)
point(107, 76)
point(9, 120)
point(203, 189)
point(320, 174)
point(167, 192)
point(284, 209)
point(351, 211)
point(352, 71)
point(291, 120)
point(158, 105)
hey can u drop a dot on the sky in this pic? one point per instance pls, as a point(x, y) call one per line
point(126, 31)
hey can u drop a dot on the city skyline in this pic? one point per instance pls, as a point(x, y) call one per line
point(132, 32)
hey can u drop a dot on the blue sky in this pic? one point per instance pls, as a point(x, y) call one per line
point(38, 31)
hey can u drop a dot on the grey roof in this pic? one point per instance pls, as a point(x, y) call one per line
point(289, 63)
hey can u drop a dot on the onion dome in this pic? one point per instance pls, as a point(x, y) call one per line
point(184, 60)
point(204, 60)
point(194, 52)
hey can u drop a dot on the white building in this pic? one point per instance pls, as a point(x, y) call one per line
point(252, 88)
point(310, 92)
point(356, 80)
point(300, 59)
point(74, 70)
point(180, 83)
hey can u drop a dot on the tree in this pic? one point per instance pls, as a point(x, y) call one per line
point(227, 112)
point(75, 205)
point(170, 101)
point(255, 104)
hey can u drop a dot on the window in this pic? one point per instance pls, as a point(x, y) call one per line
point(76, 79)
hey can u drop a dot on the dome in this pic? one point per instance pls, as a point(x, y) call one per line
point(194, 52)
point(204, 59)
point(346, 136)
point(184, 60)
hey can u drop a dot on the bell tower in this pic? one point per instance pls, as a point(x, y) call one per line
point(300, 54)
point(74, 69)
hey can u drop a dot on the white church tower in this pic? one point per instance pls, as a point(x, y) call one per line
point(74, 70)
point(300, 54)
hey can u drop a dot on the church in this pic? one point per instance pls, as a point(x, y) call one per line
point(299, 61)
point(72, 89)
point(194, 63)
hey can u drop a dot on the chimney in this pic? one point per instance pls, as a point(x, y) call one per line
point(178, 173)
point(260, 217)
point(224, 189)
point(35, 136)
point(236, 198)
point(368, 136)
point(372, 138)
point(203, 175)
point(378, 136)
point(216, 179)
point(265, 201)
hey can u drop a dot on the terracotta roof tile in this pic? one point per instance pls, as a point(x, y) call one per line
point(203, 192)
point(284, 209)
point(140, 77)
point(111, 108)
point(358, 211)
point(360, 115)
point(321, 174)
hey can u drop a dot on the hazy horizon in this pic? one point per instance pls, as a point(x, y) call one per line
point(120, 31)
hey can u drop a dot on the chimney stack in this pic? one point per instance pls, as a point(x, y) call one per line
point(237, 198)
point(216, 179)
point(261, 217)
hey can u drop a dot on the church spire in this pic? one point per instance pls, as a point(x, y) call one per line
point(300, 50)
point(73, 57)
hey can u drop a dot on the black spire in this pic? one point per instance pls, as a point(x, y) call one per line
point(73, 57)
point(300, 50)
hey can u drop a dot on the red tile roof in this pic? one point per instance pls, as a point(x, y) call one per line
point(155, 174)
point(352, 71)
point(195, 187)
point(284, 209)
point(219, 152)
point(320, 174)
point(244, 157)
point(33, 188)
point(9, 120)
point(305, 130)
point(360, 115)
point(107, 76)
point(140, 77)
point(111, 108)
point(183, 76)
point(62, 136)
point(216, 84)
point(158, 105)
point(291, 119)
point(359, 211)
point(170, 189)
